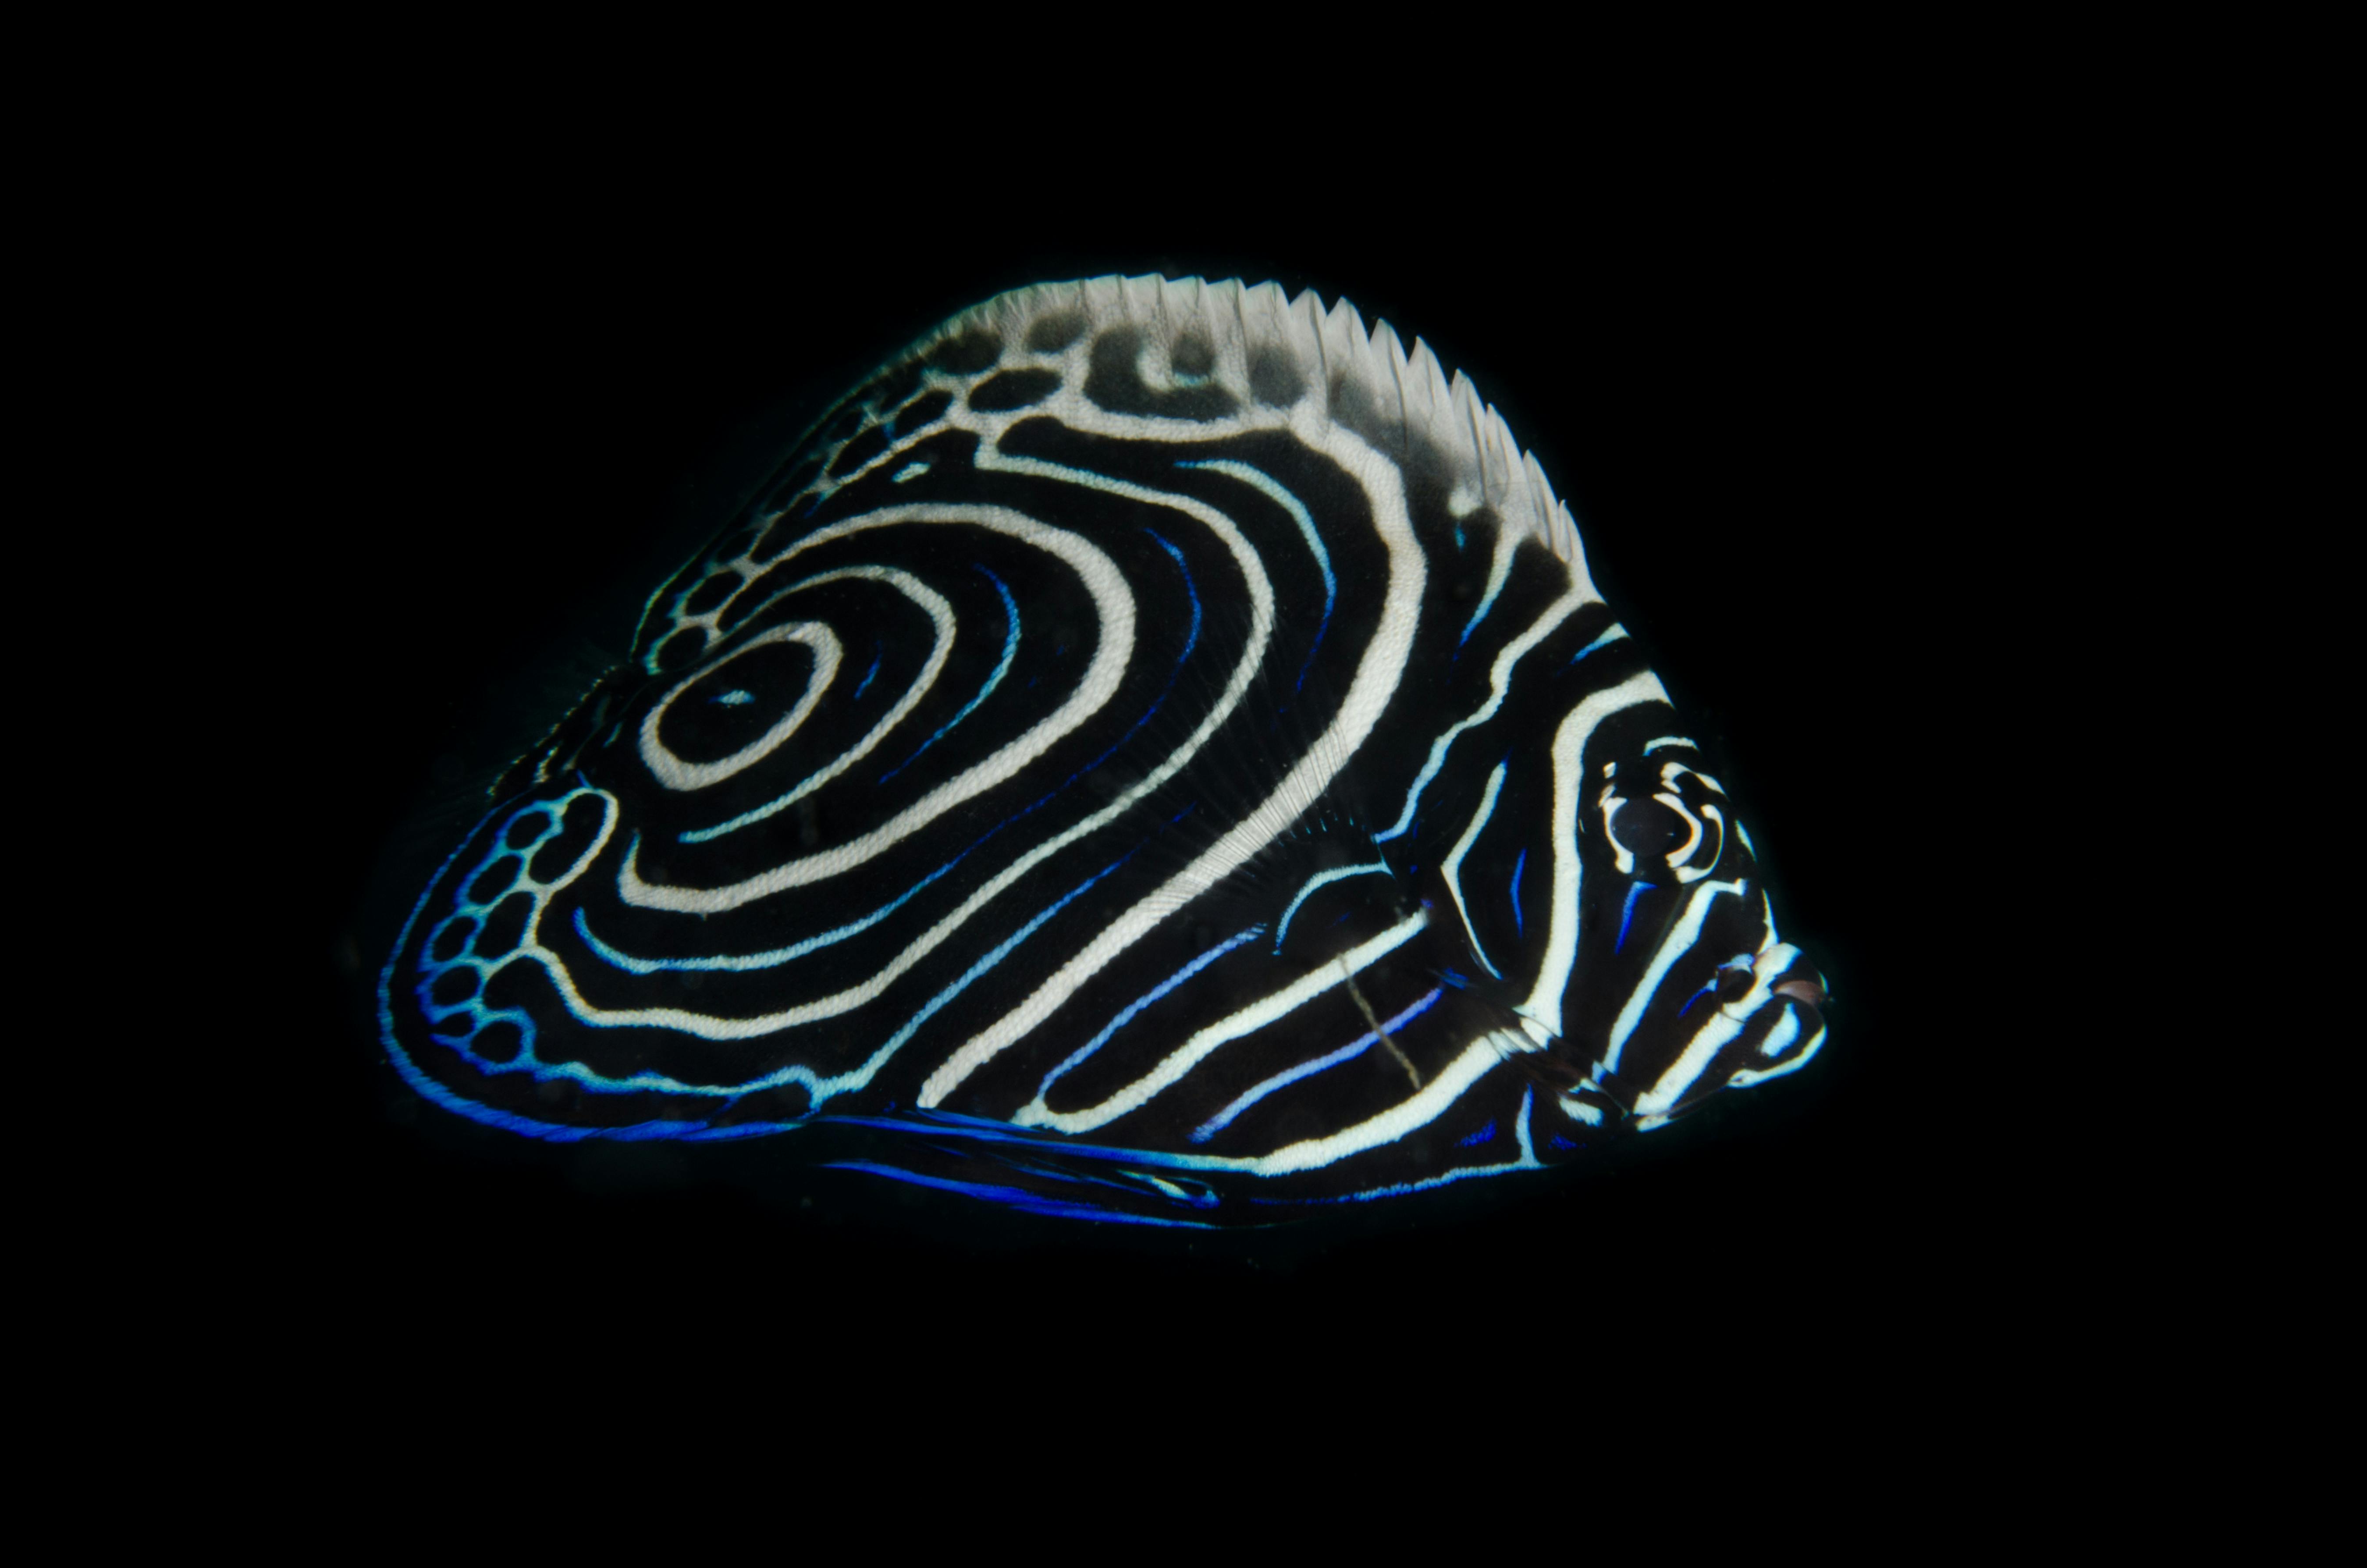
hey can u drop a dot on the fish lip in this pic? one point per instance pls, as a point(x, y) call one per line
point(1807, 993)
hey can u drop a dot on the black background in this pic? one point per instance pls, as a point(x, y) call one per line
point(507, 411)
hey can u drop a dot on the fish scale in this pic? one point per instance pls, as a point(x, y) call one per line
point(1155, 753)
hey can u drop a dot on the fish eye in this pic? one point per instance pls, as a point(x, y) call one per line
point(1647, 829)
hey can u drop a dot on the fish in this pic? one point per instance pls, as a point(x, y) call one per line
point(1152, 754)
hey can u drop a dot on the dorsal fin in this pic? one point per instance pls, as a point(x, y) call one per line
point(1337, 358)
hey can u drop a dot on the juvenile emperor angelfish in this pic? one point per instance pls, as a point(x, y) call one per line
point(1155, 752)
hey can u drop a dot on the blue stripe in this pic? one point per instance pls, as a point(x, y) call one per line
point(1518, 866)
point(1486, 604)
point(1452, 867)
point(828, 938)
point(999, 953)
point(1612, 635)
point(1316, 881)
point(1015, 1198)
point(741, 963)
point(1527, 1161)
point(1127, 1015)
point(600, 1083)
point(1192, 640)
point(1283, 1079)
point(435, 1092)
point(1628, 913)
point(1009, 651)
point(1265, 485)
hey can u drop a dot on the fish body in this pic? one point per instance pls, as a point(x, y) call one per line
point(1154, 750)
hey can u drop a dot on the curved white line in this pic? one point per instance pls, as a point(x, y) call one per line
point(1747, 1076)
point(1452, 866)
point(1322, 879)
point(940, 611)
point(1703, 1047)
point(1204, 1042)
point(1622, 859)
point(711, 1027)
point(1499, 568)
point(1421, 1108)
point(1682, 852)
point(1500, 680)
point(1114, 604)
point(1686, 873)
point(1544, 1005)
point(1679, 941)
point(1787, 1030)
point(1671, 770)
point(675, 774)
point(1611, 633)
point(1378, 673)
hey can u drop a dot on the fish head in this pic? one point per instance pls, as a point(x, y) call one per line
point(1681, 987)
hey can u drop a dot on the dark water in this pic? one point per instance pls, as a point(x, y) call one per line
point(540, 426)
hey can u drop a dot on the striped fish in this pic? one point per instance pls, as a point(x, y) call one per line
point(1154, 752)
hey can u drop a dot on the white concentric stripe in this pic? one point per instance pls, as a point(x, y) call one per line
point(1114, 606)
point(675, 774)
point(1378, 673)
point(1544, 1005)
point(940, 611)
point(1675, 944)
point(1500, 678)
point(1204, 1042)
point(1453, 866)
point(710, 1027)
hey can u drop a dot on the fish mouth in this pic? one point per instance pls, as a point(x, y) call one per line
point(1809, 994)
